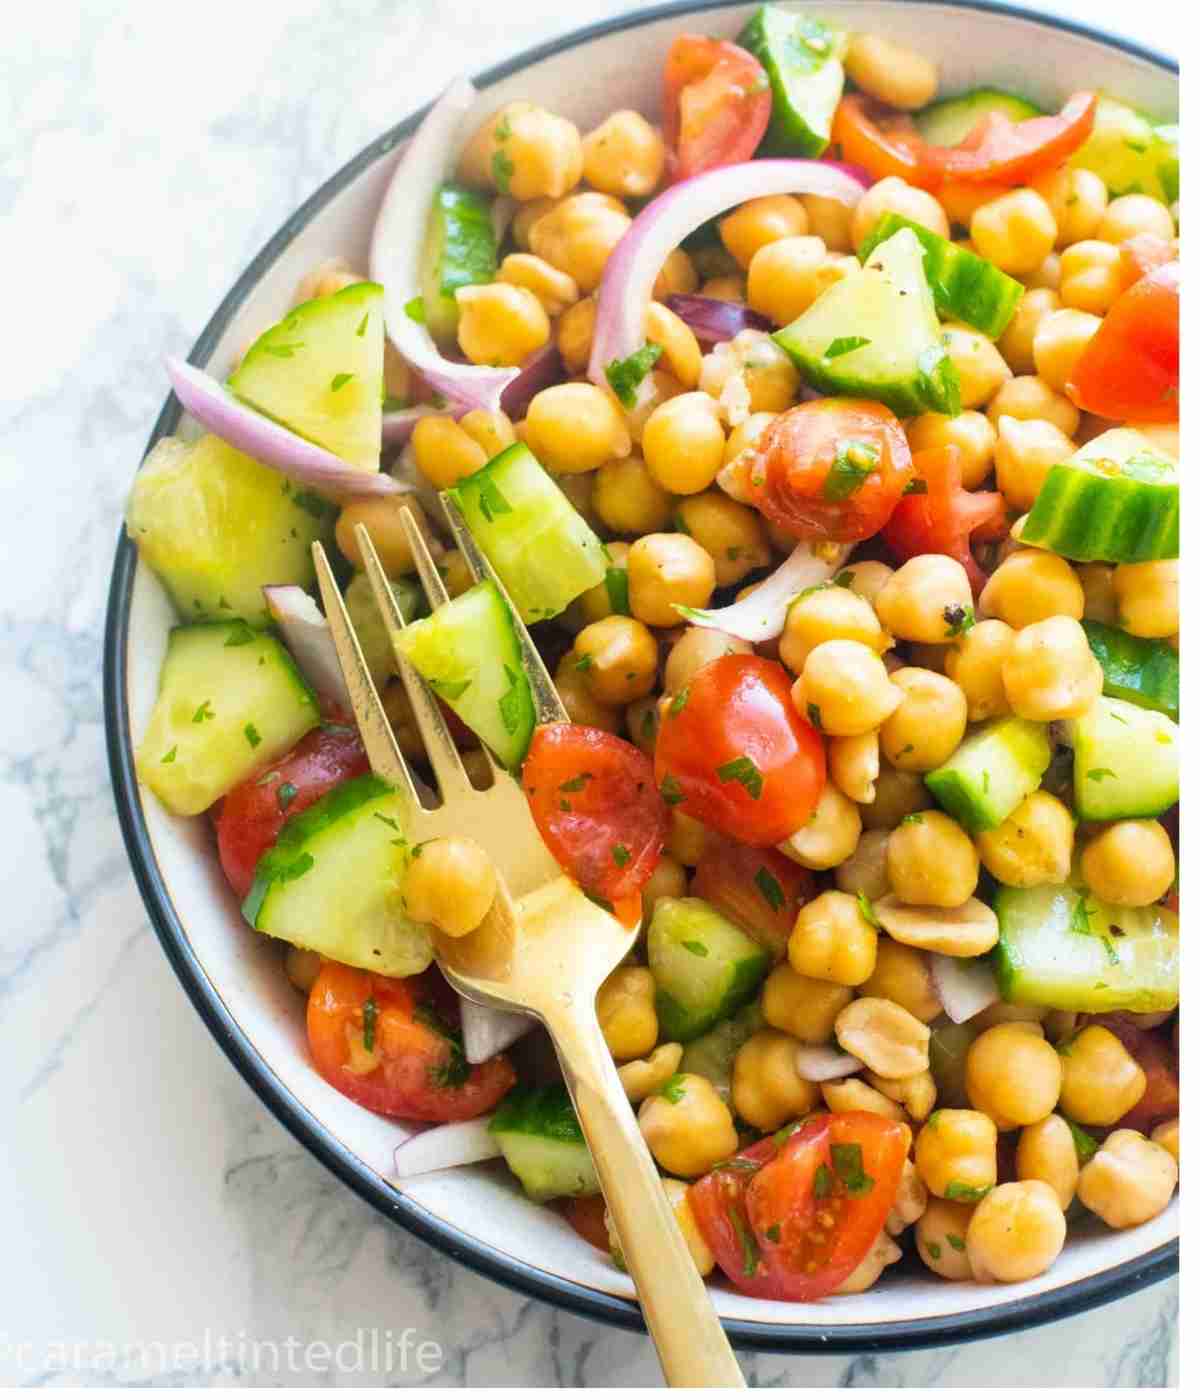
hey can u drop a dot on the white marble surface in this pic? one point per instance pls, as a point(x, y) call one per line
point(149, 1206)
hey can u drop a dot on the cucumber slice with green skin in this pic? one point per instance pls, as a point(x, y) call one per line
point(1126, 761)
point(1136, 669)
point(230, 701)
point(543, 1143)
point(713, 1053)
point(704, 967)
point(215, 526)
point(544, 551)
point(1130, 154)
point(320, 373)
point(1116, 500)
point(460, 251)
point(1064, 948)
point(965, 286)
point(802, 58)
point(988, 777)
point(332, 882)
point(949, 121)
point(469, 655)
point(875, 335)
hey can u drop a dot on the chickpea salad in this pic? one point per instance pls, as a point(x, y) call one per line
point(823, 428)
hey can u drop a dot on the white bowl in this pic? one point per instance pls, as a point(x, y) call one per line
point(233, 975)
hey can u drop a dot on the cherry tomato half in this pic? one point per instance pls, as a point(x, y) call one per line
point(585, 1215)
point(716, 104)
point(735, 754)
point(883, 141)
point(762, 891)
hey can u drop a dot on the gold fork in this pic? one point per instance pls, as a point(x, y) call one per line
point(544, 948)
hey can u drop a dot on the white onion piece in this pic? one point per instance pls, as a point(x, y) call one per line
point(503, 209)
point(631, 270)
point(447, 1145)
point(397, 242)
point(486, 1031)
point(966, 986)
point(398, 425)
point(761, 615)
point(268, 442)
point(307, 636)
point(817, 1063)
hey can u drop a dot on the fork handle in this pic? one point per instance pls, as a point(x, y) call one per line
point(692, 1348)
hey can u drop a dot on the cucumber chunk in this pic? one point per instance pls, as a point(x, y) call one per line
point(989, 775)
point(544, 551)
point(1126, 761)
point(230, 701)
point(215, 526)
point(802, 58)
point(965, 286)
point(320, 373)
point(543, 1143)
point(875, 335)
point(1136, 669)
point(1130, 154)
point(468, 653)
point(1062, 947)
point(713, 1053)
point(459, 251)
point(704, 966)
point(332, 882)
point(949, 121)
point(1116, 499)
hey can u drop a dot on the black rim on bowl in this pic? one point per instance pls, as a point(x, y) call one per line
point(1005, 1317)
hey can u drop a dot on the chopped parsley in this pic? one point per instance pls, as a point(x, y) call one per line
point(867, 910)
point(959, 620)
point(956, 1242)
point(616, 585)
point(339, 381)
point(853, 462)
point(169, 756)
point(362, 325)
point(916, 487)
point(1081, 916)
point(680, 700)
point(285, 795)
point(1097, 775)
point(742, 770)
point(671, 792)
point(510, 702)
point(239, 634)
point(700, 950)
point(204, 712)
point(502, 170)
point(576, 784)
point(960, 1191)
point(253, 737)
point(935, 1250)
point(674, 1089)
point(370, 1013)
point(848, 1163)
point(822, 1182)
point(620, 855)
point(750, 1251)
point(913, 819)
point(843, 345)
point(491, 500)
point(773, 1232)
point(814, 715)
point(415, 310)
point(1086, 1146)
point(769, 887)
point(624, 376)
point(585, 662)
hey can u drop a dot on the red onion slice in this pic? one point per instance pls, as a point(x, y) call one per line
point(307, 636)
point(966, 986)
point(625, 291)
point(486, 1031)
point(817, 1063)
point(398, 425)
point(712, 320)
point(396, 245)
point(447, 1145)
point(761, 615)
point(268, 442)
point(543, 368)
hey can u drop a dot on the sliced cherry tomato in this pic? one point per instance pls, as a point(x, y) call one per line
point(1012, 153)
point(253, 813)
point(716, 104)
point(733, 751)
point(1142, 254)
point(793, 1216)
point(596, 805)
point(943, 518)
point(1130, 367)
point(883, 141)
point(1160, 1065)
point(392, 1045)
point(585, 1215)
point(761, 891)
point(833, 469)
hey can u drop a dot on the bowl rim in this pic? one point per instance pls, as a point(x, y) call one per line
point(794, 1338)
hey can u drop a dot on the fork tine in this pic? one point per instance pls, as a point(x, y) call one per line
point(382, 750)
point(550, 709)
point(439, 746)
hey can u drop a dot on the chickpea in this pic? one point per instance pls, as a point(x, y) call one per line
point(902, 976)
point(1130, 863)
point(1132, 214)
point(931, 861)
point(1048, 273)
point(732, 534)
point(969, 431)
point(1077, 200)
point(866, 577)
point(581, 706)
point(499, 324)
point(575, 428)
point(1166, 1135)
point(444, 452)
point(676, 277)
point(577, 236)
point(1016, 1233)
point(783, 278)
point(1033, 845)
point(893, 73)
point(450, 882)
point(665, 570)
point(885, 1037)
point(554, 289)
point(1030, 586)
point(1016, 343)
point(828, 220)
point(302, 966)
point(641, 1078)
point(744, 437)
point(1061, 339)
point(854, 766)
point(829, 614)
point(980, 366)
point(917, 1093)
point(1092, 277)
point(961, 198)
point(695, 649)
point(1147, 597)
point(687, 1126)
point(524, 151)
point(894, 196)
point(576, 327)
point(669, 881)
point(883, 1251)
point(1046, 1152)
point(1050, 672)
point(975, 664)
point(627, 500)
point(1015, 231)
point(1026, 449)
point(625, 1010)
point(728, 287)
point(1099, 596)
point(941, 1237)
point(928, 724)
point(832, 941)
point(761, 221)
point(326, 279)
point(619, 659)
point(767, 1090)
point(597, 602)
point(803, 1006)
point(703, 1257)
point(684, 444)
point(680, 348)
point(383, 517)
point(956, 1154)
point(830, 834)
point(865, 871)
point(853, 1096)
point(1101, 1081)
point(1012, 1076)
point(897, 794)
point(926, 599)
point(624, 156)
point(658, 387)
point(1129, 1181)
point(846, 689)
point(686, 839)
point(1027, 396)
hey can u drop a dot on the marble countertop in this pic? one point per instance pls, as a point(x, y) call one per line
point(157, 1221)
